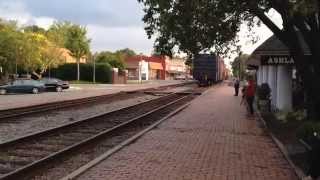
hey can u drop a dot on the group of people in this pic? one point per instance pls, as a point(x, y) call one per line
point(248, 93)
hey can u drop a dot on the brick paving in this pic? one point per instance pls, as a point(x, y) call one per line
point(212, 139)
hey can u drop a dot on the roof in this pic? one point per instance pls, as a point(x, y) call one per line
point(271, 47)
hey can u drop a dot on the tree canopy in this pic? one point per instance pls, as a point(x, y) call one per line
point(115, 59)
point(73, 37)
point(238, 66)
point(29, 49)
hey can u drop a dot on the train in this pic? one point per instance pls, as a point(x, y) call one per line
point(209, 69)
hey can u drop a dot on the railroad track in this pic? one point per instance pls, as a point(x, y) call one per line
point(28, 110)
point(23, 155)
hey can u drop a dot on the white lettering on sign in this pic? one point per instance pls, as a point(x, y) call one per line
point(280, 60)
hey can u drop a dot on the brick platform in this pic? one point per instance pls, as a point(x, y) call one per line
point(212, 139)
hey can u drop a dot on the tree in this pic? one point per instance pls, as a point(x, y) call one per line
point(195, 26)
point(238, 66)
point(126, 52)
point(34, 29)
point(58, 32)
point(78, 44)
point(9, 43)
point(115, 60)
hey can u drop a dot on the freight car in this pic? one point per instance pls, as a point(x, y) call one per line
point(208, 69)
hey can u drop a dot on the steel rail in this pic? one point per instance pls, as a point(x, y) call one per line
point(27, 110)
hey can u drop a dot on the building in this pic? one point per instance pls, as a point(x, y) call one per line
point(176, 68)
point(275, 66)
point(65, 53)
point(142, 67)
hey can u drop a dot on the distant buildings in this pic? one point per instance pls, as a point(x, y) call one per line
point(142, 67)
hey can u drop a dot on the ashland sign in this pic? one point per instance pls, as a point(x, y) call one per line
point(277, 60)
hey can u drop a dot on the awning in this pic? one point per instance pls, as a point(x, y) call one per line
point(156, 66)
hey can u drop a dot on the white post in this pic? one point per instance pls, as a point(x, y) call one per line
point(259, 74)
point(264, 74)
point(284, 88)
point(272, 82)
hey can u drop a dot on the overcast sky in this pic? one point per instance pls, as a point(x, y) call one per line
point(111, 24)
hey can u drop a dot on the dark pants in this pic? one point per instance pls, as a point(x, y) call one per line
point(236, 88)
point(250, 100)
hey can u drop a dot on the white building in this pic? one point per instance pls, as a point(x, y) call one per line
point(275, 66)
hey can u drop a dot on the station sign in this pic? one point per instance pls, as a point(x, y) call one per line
point(277, 60)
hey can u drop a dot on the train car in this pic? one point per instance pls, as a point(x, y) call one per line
point(207, 69)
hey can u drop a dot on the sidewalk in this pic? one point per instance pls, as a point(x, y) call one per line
point(210, 140)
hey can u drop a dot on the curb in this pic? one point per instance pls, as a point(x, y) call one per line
point(299, 173)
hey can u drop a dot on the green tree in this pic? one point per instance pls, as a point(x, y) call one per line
point(195, 26)
point(78, 44)
point(34, 29)
point(9, 43)
point(126, 52)
point(58, 32)
point(115, 60)
point(238, 66)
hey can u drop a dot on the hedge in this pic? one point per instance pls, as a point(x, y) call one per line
point(68, 72)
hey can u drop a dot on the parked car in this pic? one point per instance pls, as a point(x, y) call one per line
point(22, 86)
point(180, 77)
point(54, 84)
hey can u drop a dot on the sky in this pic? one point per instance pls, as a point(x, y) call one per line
point(111, 24)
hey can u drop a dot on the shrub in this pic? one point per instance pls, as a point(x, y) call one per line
point(69, 72)
point(264, 92)
point(308, 130)
point(103, 73)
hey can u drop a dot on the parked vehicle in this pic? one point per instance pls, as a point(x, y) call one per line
point(22, 86)
point(180, 77)
point(206, 69)
point(54, 84)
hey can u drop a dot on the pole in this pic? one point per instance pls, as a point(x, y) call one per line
point(140, 67)
point(94, 70)
point(240, 66)
point(49, 72)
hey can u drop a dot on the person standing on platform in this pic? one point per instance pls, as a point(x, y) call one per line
point(250, 92)
point(236, 86)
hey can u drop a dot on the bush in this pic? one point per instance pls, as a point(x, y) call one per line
point(103, 73)
point(308, 130)
point(264, 92)
point(68, 72)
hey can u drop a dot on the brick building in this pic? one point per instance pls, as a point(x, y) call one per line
point(142, 67)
